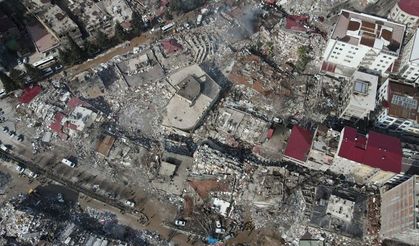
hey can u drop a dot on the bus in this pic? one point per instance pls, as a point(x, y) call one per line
point(168, 27)
point(46, 61)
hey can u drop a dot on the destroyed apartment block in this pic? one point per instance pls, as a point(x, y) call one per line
point(105, 144)
point(140, 68)
point(196, 93)
point(339, 210)
point(242, 125)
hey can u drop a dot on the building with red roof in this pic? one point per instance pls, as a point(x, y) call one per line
point(297, 23)
point(299, 145)
point(372, 158)
point(406, 12)
point(29, 93)
point(171, 46)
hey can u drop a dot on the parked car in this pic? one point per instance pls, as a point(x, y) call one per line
point(180, 222)
point(20, 169)
point(130, 204)
point(68, 162)
point(6, 129)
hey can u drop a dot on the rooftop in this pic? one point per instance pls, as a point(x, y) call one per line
point(409, 6)
point(299, 143)
point(364, 90)
point(171, 46)
point(374, 149)
point(104, 145)
point(189, 88)
point(296, 22)
point(402, 100)
point(42, 39)
point(366, 30)
point(29, 93)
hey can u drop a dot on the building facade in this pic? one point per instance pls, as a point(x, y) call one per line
point(400, 212)
point(361, 40)
point(399, 111)
point(405, 12)
point(409, 66)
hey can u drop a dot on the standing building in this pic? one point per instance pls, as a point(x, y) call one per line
point(399, 107)
point(406, 12)
point(372, 158)
point(361, 40)
point(358, 96)
point(400, 212)
point(409, 67)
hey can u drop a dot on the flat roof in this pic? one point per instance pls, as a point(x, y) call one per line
point(374, 32)
point(402, 100)
point(364, 90)
point(42, 39)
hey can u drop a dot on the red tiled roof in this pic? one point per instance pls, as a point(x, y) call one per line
point(296, 22)
point(299, 143)
point(73, 102)
point(171, 46)
point(410, 6)
point(29, 93)
point(375, 150)
point(56, 125)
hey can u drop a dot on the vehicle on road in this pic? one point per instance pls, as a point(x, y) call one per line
point(130, 203)
point(20, 169)
point(68, 162)
point(180, 222)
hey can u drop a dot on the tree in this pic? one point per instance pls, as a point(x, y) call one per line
point(34, 73)
point(63, 56)
point(17, 76)
point(102, 40)
point(137, 24)
point(91, 48)
point(120, 33)
point(8, 84)
point(75, 53)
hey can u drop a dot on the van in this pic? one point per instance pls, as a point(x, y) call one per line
point(68, 163)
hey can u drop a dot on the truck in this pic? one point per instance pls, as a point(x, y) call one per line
point(68, 162)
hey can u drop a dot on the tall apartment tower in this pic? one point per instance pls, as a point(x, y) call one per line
point(409, 67)
point(361, 40)
point(400, 212)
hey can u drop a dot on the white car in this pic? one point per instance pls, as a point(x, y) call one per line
point(180, 222)
point(220, 230)
point(217, 224)
point(68, 162)
point(20, 169)
point(130, 204)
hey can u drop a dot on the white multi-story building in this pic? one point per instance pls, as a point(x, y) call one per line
point(361, 40)
point(358, 96)
point(409, 67)
point(399, 107)
point(406, 12)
